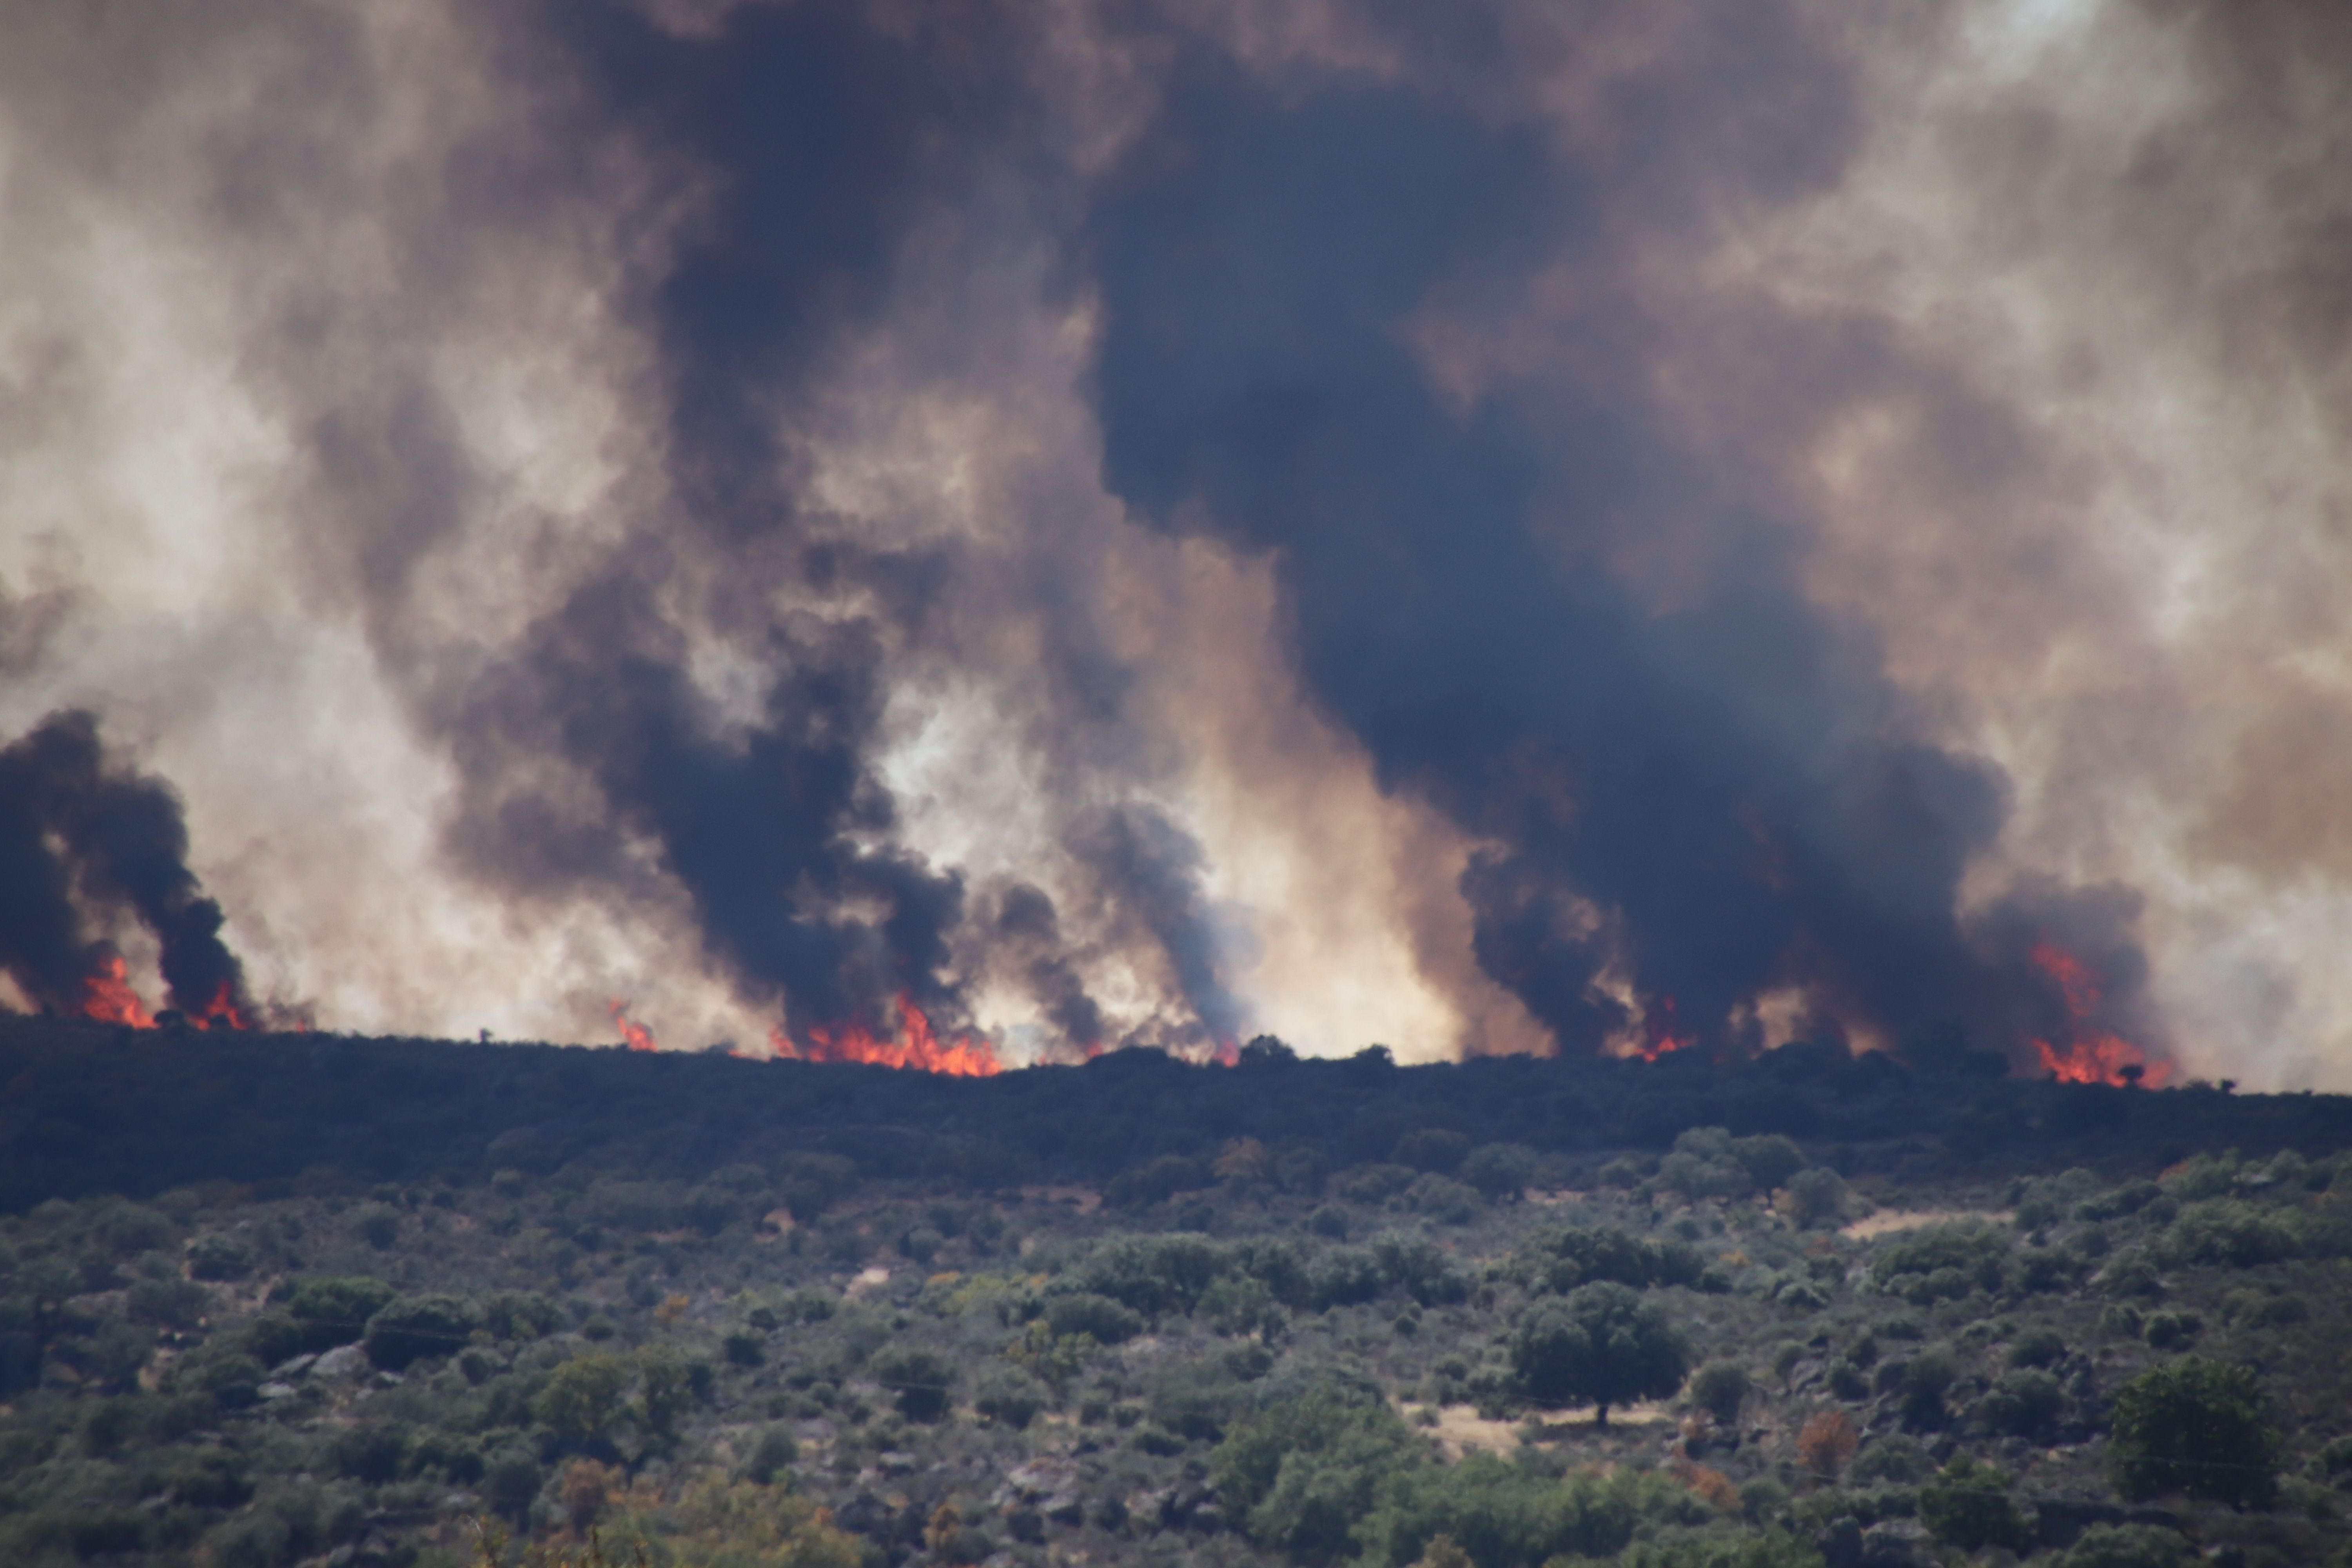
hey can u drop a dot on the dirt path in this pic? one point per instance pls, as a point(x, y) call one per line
point(1460, 1429)
point(1887, 1220)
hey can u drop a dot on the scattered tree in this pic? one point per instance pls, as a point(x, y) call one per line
point(1601, 1344)
point(2198, 1427)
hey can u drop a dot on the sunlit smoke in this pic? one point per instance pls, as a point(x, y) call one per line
point(1561, 528)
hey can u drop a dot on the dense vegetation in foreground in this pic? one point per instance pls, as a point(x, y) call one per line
point(357, 1303)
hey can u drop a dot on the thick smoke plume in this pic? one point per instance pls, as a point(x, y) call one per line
point(1591, 528)
point(83, 848)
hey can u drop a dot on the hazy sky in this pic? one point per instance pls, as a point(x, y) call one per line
point(1476, 527)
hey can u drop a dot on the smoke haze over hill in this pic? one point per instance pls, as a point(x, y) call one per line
point(1597, 528)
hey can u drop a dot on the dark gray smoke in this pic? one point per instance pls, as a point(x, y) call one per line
point(1723, 797)
point(1611, 514)
point(80, 840)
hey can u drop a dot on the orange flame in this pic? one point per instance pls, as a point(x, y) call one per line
point(2091, 1056)
point(221, 1012)
point(1658, 1037)
point(107, 996)
point(638, 1037)
point(968, 1055)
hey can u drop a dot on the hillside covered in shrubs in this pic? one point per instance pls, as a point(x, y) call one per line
point(267, 1303)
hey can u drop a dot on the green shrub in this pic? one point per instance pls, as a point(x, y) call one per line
point(1584, 1255)
point(2224, 1232)
point(328, 1312)
point(1600, 1343)
point(1419, 1267)
point(521, 1315)
point(379, 1225)
point(1720, 1389)
point(1894, 1457)
point(1343, 1277)
point(1303, 1475)
point(1444, 1199)
point(776, 1449)
point(1769, 1160)
point(665, 1387)
point(1236, 1304)
point(2023, 1403)
point(1705, 1164)
point(2170, 1330)
point(1941, 1262)
point(1967, 1506)
point(2038, 1348)
point(1156, 1180)
point(2126, 1546)
point(2122, 1203)
point(410, 1329)
point(923, 1381)
point(2198, 1427)
point(172, 1303)
point(1506, 1515)
point(583, 1397)
point(2201, 1177)
point(127, 1229)
point(373, 1453)
point(1373, 1183)
point(1153, 1273)
point(510, 1480)
point(1009, 1397)
point(1817, 1196)
point(1924, 1380)
point(1106, 1321)
point(1720, 1546)
point(220, 1256)
point(1438, 1149)
point(1499, 1170)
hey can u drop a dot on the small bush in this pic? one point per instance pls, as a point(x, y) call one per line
point(1720, 1389)
point(1156, 1180)
point(335, 1312)
point(1601, 1344)
point(1439, 1149)
point(1705, 1164)
point(1009, 1397)
point(170, 1303)
point(1924, 1379)
point(220, 1258)
point(2023, 1403)
point(2223, 1232)
point(923, 1381)
point(1940, 1262)
point(1967, 1506)
point(776, 1449)
point(2037, 1348)
point(1891, 1458)
point(414, 1328)
point(1499, 1170)
point(1444, 1199)
point(2126, 1546)
point(2198, 1427)
point(583, 1397)
point(1771, 1160)
point(379, 1225)
point(1083, 1313)
point(1235, 1304)
point(1817, 1196)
